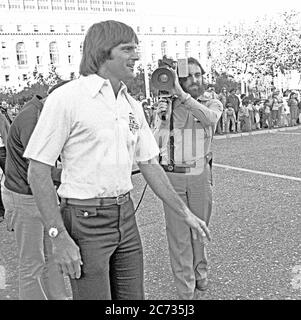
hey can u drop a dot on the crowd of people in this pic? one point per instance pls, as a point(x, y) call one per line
point(244, 113)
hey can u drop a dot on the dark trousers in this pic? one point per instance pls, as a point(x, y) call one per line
point(111, 251)
point(2, 166)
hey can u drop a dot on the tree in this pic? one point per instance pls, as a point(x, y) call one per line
point(136, 87)
point(37, 84)
point(260, 51)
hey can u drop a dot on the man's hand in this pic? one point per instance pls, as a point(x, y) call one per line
point(162, 109)
point(67, 255)
point(198, 227)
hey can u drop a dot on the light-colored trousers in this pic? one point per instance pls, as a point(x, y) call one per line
point(187, 256)
point(39, 275)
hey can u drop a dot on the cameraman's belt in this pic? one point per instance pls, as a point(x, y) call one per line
point(184, 169)
point(98, 202)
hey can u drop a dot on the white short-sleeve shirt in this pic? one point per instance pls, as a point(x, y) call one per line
point(97, 135)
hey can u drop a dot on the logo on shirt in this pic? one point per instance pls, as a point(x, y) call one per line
point(133, 125)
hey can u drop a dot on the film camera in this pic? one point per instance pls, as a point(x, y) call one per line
point(162, 78)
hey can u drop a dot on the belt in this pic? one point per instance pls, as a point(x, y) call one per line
point(183, 169)
point(98, 202)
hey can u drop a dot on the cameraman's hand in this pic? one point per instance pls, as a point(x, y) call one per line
point(177, 89)
point(162, 109)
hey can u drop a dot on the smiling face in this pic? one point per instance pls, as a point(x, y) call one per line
point(120, 65)
point(193, 84)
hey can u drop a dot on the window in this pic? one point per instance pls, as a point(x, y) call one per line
point(67, 28)
point(39, 60)
point(5, 61)
point(187, 49)
point(82, 28)
point(81, 48)
point(6, 77)
point(35, 28)
point(52, 28)
point(24, 76)
point(3, 45)
point(175, 30)
point(69, 59)
point(138, 29)
point(21, 53)
point(37, 44)
point(19, 28)
point(150, 29)
point(1, 28)
point(164, 48)
point(53, 52)
point(69, 44)
point(163, 29)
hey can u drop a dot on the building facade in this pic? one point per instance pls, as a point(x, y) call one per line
point(36, 35)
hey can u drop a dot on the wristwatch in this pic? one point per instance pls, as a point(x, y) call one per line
point(54, 231)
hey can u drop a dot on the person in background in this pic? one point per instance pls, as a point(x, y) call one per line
point(293, 106)
point(243, 117)
point(221, 125)
point(148, 113)
point(39, 275)
point(231, 118)
point(4, 129)
point(268, 113)
point(256, 108)
point(234, 100)
point(184, 136)
point(210, 92)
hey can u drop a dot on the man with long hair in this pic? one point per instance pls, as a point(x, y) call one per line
point(98, 129)
point(184, 136)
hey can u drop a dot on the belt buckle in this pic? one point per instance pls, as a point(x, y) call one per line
point(121, 199)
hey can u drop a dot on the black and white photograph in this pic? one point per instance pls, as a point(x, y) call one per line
point(150, 151)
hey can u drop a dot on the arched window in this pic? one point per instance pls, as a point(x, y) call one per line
point(187, 49)
point(54, 54)
point(21, 53)
point(164, 48)
point(209, 49)
point(81, 47)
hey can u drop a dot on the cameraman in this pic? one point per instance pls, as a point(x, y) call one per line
point(184, 131)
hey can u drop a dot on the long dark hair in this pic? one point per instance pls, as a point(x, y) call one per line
point(100, 39)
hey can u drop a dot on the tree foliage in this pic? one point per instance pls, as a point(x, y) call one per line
point(264, 48)
point(37, 84)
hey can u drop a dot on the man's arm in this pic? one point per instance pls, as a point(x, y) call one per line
point(208, 116)
point(157, 179)
point(66, 251)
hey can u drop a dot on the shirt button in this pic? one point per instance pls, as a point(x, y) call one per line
point(86, 214)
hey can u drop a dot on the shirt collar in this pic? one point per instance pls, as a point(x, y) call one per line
point(94, 83)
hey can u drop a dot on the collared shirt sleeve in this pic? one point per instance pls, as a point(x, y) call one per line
point(51, 131)
point(146, 147)
point(207, 115)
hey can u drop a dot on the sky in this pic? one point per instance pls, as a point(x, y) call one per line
point(219, 9)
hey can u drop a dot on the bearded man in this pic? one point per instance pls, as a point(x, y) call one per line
point(184, 136)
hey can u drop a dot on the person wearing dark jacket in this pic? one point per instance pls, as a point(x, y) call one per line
point(39, 275)
point(234, 100)
point(4, 128)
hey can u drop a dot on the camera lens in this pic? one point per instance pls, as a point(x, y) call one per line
point(163, 78)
